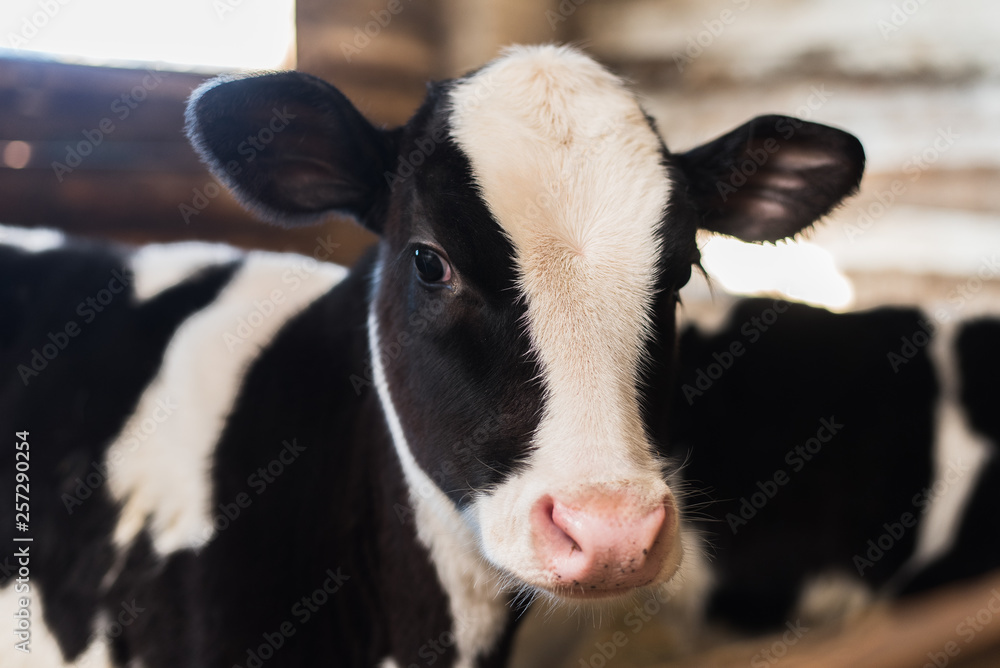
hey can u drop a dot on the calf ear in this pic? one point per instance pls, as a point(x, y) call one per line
point(772, 177)
point(291, 147)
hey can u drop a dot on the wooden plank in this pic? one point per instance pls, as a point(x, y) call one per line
point(128, 183)
point(145, 207)
point(41, 100)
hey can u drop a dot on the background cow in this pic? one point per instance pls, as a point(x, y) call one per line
point(859, 452)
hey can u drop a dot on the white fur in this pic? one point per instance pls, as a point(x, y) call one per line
point(165, 265)
point(479, 612)
point(34, 240)
point(959, 456)
point(45, 651)
point(572, 171)
point(830, 597)
point(159, 465)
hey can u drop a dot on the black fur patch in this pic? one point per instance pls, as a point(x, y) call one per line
point(976, 550)
point(744, 421)
point(464, 382)
point(76, 405)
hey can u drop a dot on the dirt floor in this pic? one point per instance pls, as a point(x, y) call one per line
point(957, 627)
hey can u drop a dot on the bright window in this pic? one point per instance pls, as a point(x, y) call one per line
point(202, 35)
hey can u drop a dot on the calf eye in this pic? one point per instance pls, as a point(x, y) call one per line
point(432, 267)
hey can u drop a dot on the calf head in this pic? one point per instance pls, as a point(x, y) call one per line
point(534, 232)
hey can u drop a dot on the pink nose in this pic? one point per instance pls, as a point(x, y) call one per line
point(602, 542)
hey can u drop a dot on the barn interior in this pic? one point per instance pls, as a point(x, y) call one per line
point(92, 143)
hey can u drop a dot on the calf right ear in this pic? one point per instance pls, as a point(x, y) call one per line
point(772, 177)
point(291, 147)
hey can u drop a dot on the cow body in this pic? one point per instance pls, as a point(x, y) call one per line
point(240, 459)
point(106, 391)
point(857, 453)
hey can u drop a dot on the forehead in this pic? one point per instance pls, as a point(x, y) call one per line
point(562, 152)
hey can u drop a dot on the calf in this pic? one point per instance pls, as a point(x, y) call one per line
point(857, 453)
point(250, 459)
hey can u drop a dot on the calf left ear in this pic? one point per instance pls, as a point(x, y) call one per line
point(773, 177)
point(291, 147)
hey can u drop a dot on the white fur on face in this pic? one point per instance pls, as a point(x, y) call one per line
point(573, 173)
point(478, 612)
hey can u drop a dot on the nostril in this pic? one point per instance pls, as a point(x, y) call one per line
point(603, 541)
point(609, 525)
point(549, 530)
point(570, 523)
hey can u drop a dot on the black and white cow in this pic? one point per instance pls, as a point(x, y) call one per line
point(838, 456)
point(246, 459)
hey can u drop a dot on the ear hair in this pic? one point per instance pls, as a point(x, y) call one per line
point(290, 147)
point(772, 177)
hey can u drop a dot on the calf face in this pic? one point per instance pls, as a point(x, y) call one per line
point(534, 231)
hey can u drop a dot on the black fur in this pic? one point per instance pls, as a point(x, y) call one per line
point(74, 407)
point(977, 545)
point(475, 390)
point(799, 366)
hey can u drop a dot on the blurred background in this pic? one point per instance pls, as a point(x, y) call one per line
point(92, 94)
